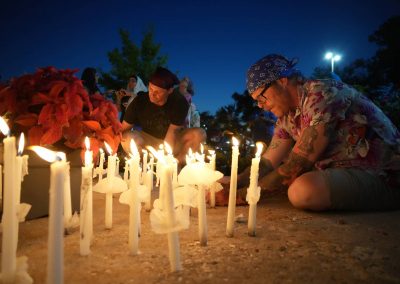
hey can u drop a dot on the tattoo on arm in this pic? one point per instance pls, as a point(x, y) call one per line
point(274, 145)
point(283, 176)
point(306, 143)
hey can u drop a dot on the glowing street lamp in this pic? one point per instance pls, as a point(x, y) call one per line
point(332, 57)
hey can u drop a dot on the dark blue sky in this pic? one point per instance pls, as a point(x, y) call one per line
point(213, 42)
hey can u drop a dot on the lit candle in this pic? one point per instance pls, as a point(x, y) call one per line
point(101, 166)
point(168, 205)
point(58, 173)
point(86, 219)
point(112, 159)
point(134, 204)
point(253, 192)
point(158, 166)
point(212, 167)
point(232, 188)
point(144, 165)
point(10, 220)
point(201, 207)
point(67, 200)
point(149, 183)
point(173, 163)
point(126, 170)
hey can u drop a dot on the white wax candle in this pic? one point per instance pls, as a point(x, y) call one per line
point(86, 217)
point(251, 225)
point(168, 205)
point(201, 207)
point(144, 165)
point(55, 257)
point(112, 160)
point(149, 186)
point(101, 166)
point(232, 189)
point(67, 198)
point(212, 167)
point(134, 213)
point(85, 214)
point(9, 220)
point(126, 170)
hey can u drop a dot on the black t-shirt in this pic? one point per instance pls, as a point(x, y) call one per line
point(154, 119)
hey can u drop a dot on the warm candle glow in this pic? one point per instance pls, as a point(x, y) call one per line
point(48, 155)
point(211, 152)
point(190, 152)
point(134, 149)
point(87, 143)
point(259, 149)
point(4, 127)
point(101, 151)
point(21, 144)
point(168, 148)
point(235, 142)
point(156, 154)
point(201, 148)
point(109, 150)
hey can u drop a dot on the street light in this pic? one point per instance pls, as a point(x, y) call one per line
point(333, 57)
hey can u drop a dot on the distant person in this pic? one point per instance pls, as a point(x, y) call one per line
point(186, 88)
point(90, 80)
point(332, 149)
point(158, 116)
point(125, 96)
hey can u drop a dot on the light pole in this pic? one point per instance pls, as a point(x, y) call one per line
point(333, 57)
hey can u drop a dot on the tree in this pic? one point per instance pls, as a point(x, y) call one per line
point(132, 59)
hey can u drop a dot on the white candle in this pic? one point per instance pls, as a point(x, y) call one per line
point(101, 166)
point(112, 159)
point(168, 205)
point(126, 170)
point(86, 218)
point(201, 206)
point(67, 198)
point(252, 190)
point(232, 188)
point(134, 208)
point(144, 165)
point(10, 220)
point(212, 167)
point(58, 173)
point(149, 183)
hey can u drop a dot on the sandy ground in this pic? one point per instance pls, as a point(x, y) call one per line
point(291, 246)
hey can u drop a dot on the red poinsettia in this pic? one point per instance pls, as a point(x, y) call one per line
point(52, 106)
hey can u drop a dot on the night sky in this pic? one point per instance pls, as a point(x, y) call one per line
point(213, 42)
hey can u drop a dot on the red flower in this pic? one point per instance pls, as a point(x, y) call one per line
point(52, 105)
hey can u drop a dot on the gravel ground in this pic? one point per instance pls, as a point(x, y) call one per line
point(291, 246)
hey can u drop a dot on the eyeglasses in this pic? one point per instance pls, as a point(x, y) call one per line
point(261, 99)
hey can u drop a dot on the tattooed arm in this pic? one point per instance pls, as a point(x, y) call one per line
point(311, 144)
point(273, 156)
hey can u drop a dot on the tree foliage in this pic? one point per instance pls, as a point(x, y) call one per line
point(132, 58)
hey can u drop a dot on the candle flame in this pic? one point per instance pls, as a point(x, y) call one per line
point(48, 155)
point(235, 142)
point(4, 127)
point(168, 148)
point(260, 147)
point(144, 151)
point(190, 152)
point(211, 152)
point(198, 157)
point(134, 149)
point(101, 151)
point(201, 148)
point(108, 148)
point(156, 154)
point(87, 143)
point(21, 144)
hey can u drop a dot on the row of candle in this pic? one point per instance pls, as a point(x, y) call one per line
point(59, 168)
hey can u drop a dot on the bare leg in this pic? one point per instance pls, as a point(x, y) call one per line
point(309, 191)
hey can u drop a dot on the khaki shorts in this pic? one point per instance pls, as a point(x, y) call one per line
point(356, 189)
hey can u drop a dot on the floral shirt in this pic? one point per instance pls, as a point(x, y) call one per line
point(364, 137)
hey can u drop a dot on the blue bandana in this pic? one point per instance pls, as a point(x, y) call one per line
point(269, 69)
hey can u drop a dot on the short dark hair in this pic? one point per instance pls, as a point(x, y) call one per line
point(164, 78)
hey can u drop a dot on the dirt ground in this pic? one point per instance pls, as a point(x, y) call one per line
point(291, 246)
